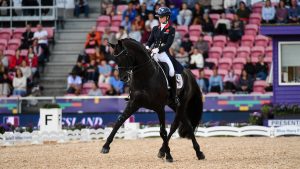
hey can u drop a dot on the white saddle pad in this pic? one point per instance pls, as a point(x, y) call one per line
point(179, 81)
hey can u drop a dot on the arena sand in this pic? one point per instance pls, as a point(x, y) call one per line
point(221, 152)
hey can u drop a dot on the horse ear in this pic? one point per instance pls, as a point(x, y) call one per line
point(112, 45)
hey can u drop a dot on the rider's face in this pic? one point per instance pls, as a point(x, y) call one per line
point(162, 19)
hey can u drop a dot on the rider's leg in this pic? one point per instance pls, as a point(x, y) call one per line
point(163, 57)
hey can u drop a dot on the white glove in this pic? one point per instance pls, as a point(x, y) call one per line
point(147, 47)
point(155, 57)
point(155, 51)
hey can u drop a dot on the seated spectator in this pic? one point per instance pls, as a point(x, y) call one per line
point(33, 61)
point(197, 61)
point(135, 34)
point(98, 56)
point(217, 6)
point(207, 25)
point(281, 12)
point(187, 44)
point(223, 25)
point(151, 22)
point(16, 60)
point(236, 32)
point(42, 36)
point(27, 38)
point(230, 6)
point(78, 69)
point(202, 46)
point(243, 12)
point(3, 59)
point(261, 69)
point(91, 72)
point(105, 50)
point(81, 5)
point(215, 82)
point(26, 70)
point(174, 13)
point(230, 81)
point(182, 57)
point(143, 12)
point(206, 4)
point(249, 68)
point(116, 83)
point(268, 13)
point(93, 39)
point(139, 23)
point(130, 12)
point(111, 91)
point(94, 91)
point(4, 81)
point(19, 84)
point(198, 12)
point(294, 12)
point(202, 82)
point(126, 24)
point(38, 51)
point(122, 34)
point(245, 83)
point(74, 84)
point(104, 72)
point(106, 34)
point(106, 7)
point(185, 16)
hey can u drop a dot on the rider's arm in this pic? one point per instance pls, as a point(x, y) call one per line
point(170, 41)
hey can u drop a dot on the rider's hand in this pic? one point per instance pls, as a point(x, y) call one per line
point(147, 47)
point(155, 58)
point(155, 51)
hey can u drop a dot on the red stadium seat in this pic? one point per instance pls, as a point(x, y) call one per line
point(212, 60)
point(215, 52)
point(219, 41)
point(3, 44)
point(194, 39)
point(208, 39)
point(257, 51)
point(259, 86)
point(5, 33)
point(121, 9)
point(103, 21)
point(24, 52)
point(86, 87)
point(243, 52)
point(247, 40)
point(257, 7)
point(208, 73)
point(195, 73)
point(182, 29)
point(101, 30)
point(229, 16)
point(238, 63)
point(18, 32)
point(90, 51)
point(255, 18)
point(237, 72)
point(261, 40)
point(104, 87)
point(229, 52)
point(195, 30)
point(222, 72)
point(214, 18)
point(268, 59)
point(14, 44)
point(10, 53)
point(251, 29)
point(233, 44)
point(116, 20)
point(254, 60)
point(114, 29)
point(269, 51)
point(50, 32)
point(225, 63)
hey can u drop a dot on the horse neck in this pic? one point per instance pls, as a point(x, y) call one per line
point(147, 68)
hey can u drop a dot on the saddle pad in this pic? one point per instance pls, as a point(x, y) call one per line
point(179, 81)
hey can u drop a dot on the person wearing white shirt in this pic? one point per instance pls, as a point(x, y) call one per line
point(151, 21)
point(197, 59)
point(135, 34)
point(185, 16)
point(42, 36)
point(19, 84)
point(26, 70)
point(122, 34)
point(223, 21)
point(268, 13)
point(229, 6)
point(74, 84)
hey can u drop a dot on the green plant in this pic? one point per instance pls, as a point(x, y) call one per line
point(51, 106)
point(285, 109)
point(256, 118)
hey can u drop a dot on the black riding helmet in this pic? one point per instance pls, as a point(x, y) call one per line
point(163, 11)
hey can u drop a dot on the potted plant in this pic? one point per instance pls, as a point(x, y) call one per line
point(286, 111)
point(255, 118)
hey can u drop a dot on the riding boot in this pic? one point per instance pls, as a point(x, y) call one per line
point(173, 86)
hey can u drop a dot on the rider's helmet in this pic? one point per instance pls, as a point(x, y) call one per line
point(163, 11)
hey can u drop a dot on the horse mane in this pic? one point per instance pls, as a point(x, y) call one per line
point(136, 45)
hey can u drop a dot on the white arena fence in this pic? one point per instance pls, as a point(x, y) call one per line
point(64, 136)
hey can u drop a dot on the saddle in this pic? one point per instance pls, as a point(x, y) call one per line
point(179, 79)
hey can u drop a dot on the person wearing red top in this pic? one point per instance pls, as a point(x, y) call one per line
point(16, 60)
point(33, 60)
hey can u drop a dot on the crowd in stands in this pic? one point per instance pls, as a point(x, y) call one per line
point(23, 53)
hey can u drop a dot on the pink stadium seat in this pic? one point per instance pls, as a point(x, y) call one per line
point(247, 40)
point(227, 94)
point(268, 59)
point(238, 63)
point(212, 60)
point(3, 44)
point(215, 52)
point(254, 60)
point(251, 29)
point(257, 51)
point(50, 32)
point(194, 39)
point(195, 30)
point(18, 32)
point(222, 72)
point(208, 39)
point(255, 18)
point(229, 16)
point(269, 51)
point(257, 7)
point(214, 18)
point(10, 53)
point(243, 52)
point(5, 33)
point(208, 73)
point(259, 86)
point(14, 44)
point(33, 29)
point(114, 29)
point(219, 41)
point(86, 87)
point(233, 44)
point(261, 40)
point(24, 52)
point(100, 29)
point(182, 29)
point(121, 9)
point(104, 87)
point(196, 73)
point(229, 52)
point(237, 72)
point(90, 51)
point(225, 63)
point(116, 20)
point(103, 21)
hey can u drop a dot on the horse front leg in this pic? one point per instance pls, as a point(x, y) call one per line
point(129, 110)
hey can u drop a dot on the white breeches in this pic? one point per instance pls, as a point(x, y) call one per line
point(163, 57)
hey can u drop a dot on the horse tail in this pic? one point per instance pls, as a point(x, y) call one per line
point(193, 109)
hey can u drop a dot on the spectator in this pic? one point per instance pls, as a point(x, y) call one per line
point(143, 12)
point(4, 3)
point(111, 91)
point(202, 46)
point(27, 37)
point(93, 39)
point(98, 56)
point(187, 44)
point(91, 72)
point(4, 81)
point(206, 5)
point(202, 82)
point(268, 13)
point(135, 34)
point(19, 84)
point(33, 61)
point(130, 12)
point(104, 72)
point(3, 59)
point(16, 60)
point(215, 82)
point(217, 6)
point(197, 61)
point(185, 16)
point(95, 91)
point(26, 70)
point(38, 51)
point(294, 12)
point(78, 69)
point(249, 68)
point(42, 36)
point(151, 21)
point(28, 3)
point(146, 34)
point(174, 13)
point(207, 25)
point(190, 3)
point(198, 12)
point(104, 50)
point(243, 12)
point(282, 12)
point(139, 23)
point(223, 25)
point(182, 57)
point(126, 23)
point(74, 84)
point(106, 34)
point(229, 6)
point(106, 7)
point(245, 83)
point(81, 5)
point(261, 69)
point(230, 81)
point(116, 83)
point(122, 34)
point(236, 32)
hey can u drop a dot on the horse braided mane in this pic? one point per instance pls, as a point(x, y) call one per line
point(137, 45)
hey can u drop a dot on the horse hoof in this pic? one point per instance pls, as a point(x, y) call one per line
point(104, 150)
point(169, 160)
point(161, 154)
point(200, 156)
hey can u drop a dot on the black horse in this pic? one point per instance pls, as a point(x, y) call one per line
point(149, 90)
